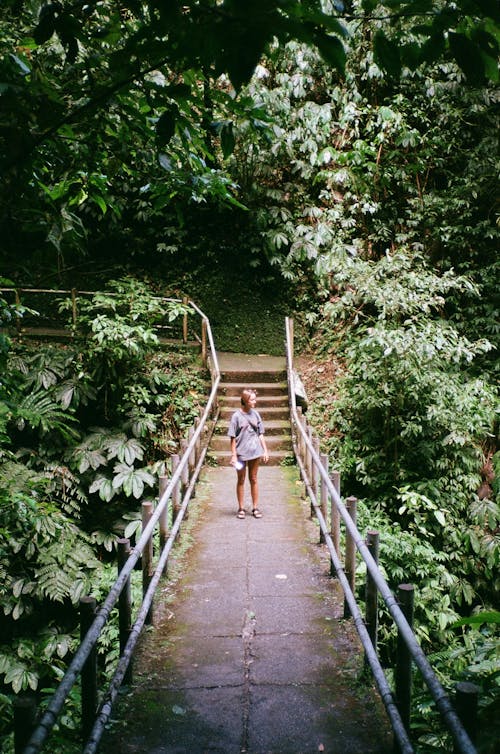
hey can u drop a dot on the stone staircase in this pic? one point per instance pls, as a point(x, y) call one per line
point(272, 404)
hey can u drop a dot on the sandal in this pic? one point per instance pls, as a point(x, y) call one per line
point(241, 513)
point(256, 513)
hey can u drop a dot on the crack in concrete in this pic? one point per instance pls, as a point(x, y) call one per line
point(247, 634)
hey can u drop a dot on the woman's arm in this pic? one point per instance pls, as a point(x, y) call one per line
point(234, 456)
point(265, 457)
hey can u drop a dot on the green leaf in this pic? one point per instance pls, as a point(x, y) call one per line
point(25, 70)
point(386, 54)
point(478, 619)
point(227, 139)
point(332, 51)
point(440, 517)
point(165, 127)
point(468, 56)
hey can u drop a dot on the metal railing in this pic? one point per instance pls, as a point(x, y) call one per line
point(178, 491)
point(314, 468)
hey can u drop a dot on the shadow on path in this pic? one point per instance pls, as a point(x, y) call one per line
point(251, 654)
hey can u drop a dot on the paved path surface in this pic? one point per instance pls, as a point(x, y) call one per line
point(251, 655)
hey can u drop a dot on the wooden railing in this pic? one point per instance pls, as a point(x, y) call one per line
point(52, 324)
point(175, 494)
point(323, 490)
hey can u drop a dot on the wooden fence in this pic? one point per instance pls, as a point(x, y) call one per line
point(48, 322)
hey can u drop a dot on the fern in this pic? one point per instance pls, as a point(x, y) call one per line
point(39, 410)
point(63, 566)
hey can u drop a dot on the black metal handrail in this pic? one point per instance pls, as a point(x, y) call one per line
point(53, 710)
point(462, 741)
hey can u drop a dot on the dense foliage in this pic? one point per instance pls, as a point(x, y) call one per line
point(348, 150)
point(86, 429)
point(380, 204)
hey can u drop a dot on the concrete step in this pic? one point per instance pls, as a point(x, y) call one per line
point(249, 376)
point(271, 426)
point(273, 442)
point(233, 389)
point(263, 401)
point(268, 413)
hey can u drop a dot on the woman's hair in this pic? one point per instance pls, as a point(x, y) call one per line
point(246, 395)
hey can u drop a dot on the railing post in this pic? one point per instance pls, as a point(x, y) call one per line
point(73, 307)
point(314, 475)
point(184, 474)
point(300, 441)
point(185, 301)
point(124, 606)
point(324, 498)
point(350, 552)
point(371, 598)
point(176, 492)
point(192, 454)
point(197, 447)
point(147, 557)
point(466, 702)
point(18, 304)
point(309, 463)
point(89, 670)
point(163, 520)
point(24, 721)
point(204, 342)
point(335, 519)
point(402, 674)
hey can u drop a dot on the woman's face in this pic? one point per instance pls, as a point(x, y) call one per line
point(250, 400)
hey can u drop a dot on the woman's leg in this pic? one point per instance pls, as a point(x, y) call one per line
point(240, 486)
point(253, 467)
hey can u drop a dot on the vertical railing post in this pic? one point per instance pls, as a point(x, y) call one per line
point(163, 519)
point(335, 519)
point(324, 498)
point(18, 304)
point(305, 454)
point(371, 597)
point(185, 301)
point(147, 557)
point(300, 441)
point(466, 704)
point(176, 492)
point(192, 454)
point(204, 342)
point(73, 307)
point(402, 674)
point(124, 606)
point(309, 464)
point(197, 447)
point(314, 479)
point(350, 552)
point(184, 474)
point(24, 721)
point(89, 670)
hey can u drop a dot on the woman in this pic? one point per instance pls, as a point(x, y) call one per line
point(248, 446)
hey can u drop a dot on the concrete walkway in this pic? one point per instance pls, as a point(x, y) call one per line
point(249, 653)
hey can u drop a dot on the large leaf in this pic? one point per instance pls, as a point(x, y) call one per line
point(468, 56)
point(387, 54)
point(132, 480)
point(332, 51)
point(165, 127)
point(227, 140)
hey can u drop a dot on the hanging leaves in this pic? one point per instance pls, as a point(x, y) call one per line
point(165, 127)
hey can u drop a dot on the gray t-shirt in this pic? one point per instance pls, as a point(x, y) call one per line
point(246, 427)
